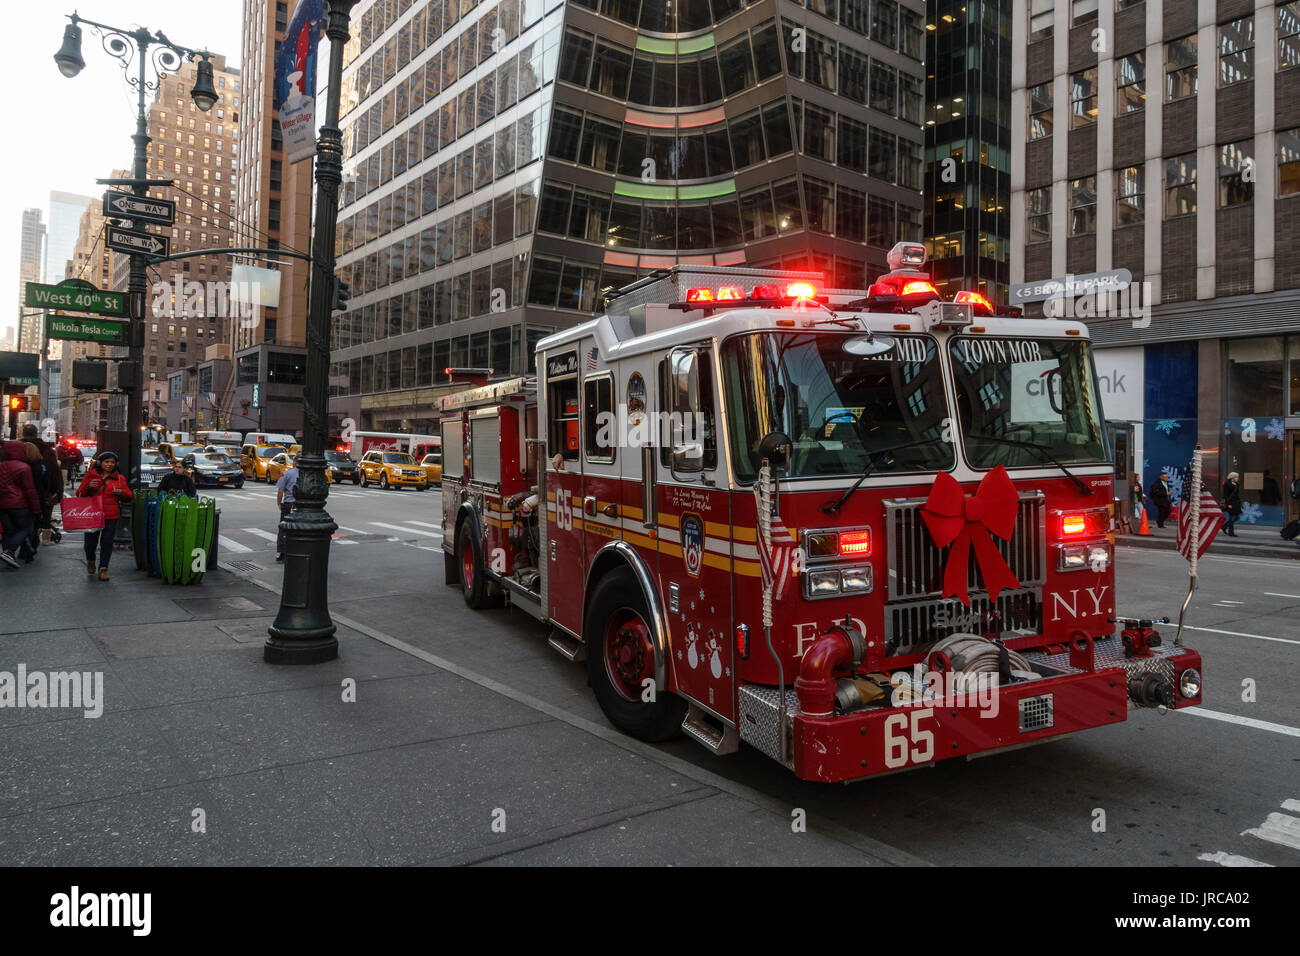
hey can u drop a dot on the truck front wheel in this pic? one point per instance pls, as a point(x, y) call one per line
point(621, 661)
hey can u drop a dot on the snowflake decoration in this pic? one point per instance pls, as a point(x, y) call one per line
point(1146, 462)
point(1250, 512)
point(1275, 429)
point(701, 594)
point(1167, 425)
point(1227, 428)
point(1176, 478)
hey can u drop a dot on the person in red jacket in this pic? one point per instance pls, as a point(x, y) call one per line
point(20, 506)
point(103, 479)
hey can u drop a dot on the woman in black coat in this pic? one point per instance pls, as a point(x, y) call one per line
point(1231, 502)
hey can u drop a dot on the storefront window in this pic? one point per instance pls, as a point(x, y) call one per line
point(1254, 439)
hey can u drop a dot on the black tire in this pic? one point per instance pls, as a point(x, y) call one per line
point(383, 480)
point(469, 562)
point(362, 480)
point(356, 480)
point(240, 485)
point(424, 488)
point(616, 596)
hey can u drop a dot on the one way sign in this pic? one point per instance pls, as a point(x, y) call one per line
point(139, 209)
point(123, 240)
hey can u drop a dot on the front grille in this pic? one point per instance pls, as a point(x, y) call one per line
point(916, 564)
point(912, 626)
point(1036, 713)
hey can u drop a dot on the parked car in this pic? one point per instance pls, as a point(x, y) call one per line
point(432, 465)
point(340, 467)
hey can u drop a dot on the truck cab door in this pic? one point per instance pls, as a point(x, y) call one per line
point(565, 557)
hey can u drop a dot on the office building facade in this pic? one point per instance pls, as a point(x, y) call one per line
point(31, 256)
point(1163, 138)
point(509, 164)
point(968, 145)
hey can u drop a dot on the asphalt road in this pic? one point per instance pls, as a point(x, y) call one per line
point(1217, 785)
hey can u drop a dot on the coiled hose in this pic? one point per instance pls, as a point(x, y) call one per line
point(972, 654)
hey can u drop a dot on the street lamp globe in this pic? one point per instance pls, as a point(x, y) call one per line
point(69, 56)
point(204, 93)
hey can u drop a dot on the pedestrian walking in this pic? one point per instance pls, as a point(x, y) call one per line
point(70, 460)
point(20, 506)
point(52, 492)
point(284, 500)
point(103, 480)
point(1231, 503)
point(178, 480)
point(1161, 498)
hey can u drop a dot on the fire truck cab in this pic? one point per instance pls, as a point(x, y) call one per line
point(920, 491)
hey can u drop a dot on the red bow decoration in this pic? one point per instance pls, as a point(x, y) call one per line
point(965, 522)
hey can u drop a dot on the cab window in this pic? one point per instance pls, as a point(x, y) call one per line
point(598, 418)
point(562, 401)
point(691, 417)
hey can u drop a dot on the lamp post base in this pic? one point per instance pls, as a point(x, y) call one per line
point(303, 632)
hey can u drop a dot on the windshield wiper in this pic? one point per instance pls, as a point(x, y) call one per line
point(831, 507)
point(1044, 453)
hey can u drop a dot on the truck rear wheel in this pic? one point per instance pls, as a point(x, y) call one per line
point(621, 658)
point(469, 556)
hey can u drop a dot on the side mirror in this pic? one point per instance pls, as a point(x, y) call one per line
point(775, 447)
point(684, 405)
point(688, 456)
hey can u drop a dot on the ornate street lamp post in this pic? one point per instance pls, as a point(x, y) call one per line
point(303, 632)
point(143, 48)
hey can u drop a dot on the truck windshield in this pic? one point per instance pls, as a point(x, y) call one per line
point(1038, 392)
point(840, 397)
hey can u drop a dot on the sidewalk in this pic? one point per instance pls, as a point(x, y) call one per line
point(1250, 542)
point(199, 734)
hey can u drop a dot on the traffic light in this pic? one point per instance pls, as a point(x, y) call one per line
point(20, 403)
point(341, 294)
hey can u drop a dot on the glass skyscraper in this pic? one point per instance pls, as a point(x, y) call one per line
point(509, 164)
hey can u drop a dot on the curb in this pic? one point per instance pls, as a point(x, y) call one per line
point(1218, 549)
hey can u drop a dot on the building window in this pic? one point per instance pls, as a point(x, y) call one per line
point(1129, 195)
point(1040, 111)
point(1236, 51)
point(1041, 13)
point(1132, 81)
point(1083, 98)
point(1083, 206)
point(1288, 35)
point(1038, 206)
point(1082, 11)
point(1180, 68)
point(1180, 185)
point(1236, 173)
point(1288, 162)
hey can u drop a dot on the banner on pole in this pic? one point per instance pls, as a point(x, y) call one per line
point(295, 80)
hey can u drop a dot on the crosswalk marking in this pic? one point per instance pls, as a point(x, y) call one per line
point(1229, 859)
point(1243, 721)
point(343, 541)
point(1279, 828)
point(395, 527)
point(261, 534)
point(231, 545)
point(425, 524)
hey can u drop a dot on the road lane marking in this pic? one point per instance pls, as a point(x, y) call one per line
point(338, 540)
point(232, 545)
point(425, 524)
point(397, 527)
point(261, 534)
point(1279, 828)
point(1291, 805)
point(1275, 594)
point(353, 530)
point(1243, 721)
point(1258, 637)
point(1228, 859)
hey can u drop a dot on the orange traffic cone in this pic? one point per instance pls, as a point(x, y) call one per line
point(1144, 527)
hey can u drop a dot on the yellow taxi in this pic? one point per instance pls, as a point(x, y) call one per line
point(277, 466)
point(392, 469)
point(432, 465)
point(253, 459)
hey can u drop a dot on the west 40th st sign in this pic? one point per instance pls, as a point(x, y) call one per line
point(74, 296)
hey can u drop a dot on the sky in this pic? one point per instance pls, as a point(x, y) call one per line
point(64, 134)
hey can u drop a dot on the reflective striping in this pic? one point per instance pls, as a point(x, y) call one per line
point(231, 545)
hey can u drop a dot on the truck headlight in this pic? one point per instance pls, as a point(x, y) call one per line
point(1189, 683)
point(823, 582)
point(855, 579)
point(1072, 557)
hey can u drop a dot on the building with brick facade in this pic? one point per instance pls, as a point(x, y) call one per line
point(1163, 137)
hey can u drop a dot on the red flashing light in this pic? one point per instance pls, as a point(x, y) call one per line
point(742, 640)
point(975, 299)
point(800, 290)
point(855, 544)
point(1073, 524)
point(699, 295)
point(730, 293)
point(765, 292)
point(919, 287)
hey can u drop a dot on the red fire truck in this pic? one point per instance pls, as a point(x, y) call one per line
point(859, 532)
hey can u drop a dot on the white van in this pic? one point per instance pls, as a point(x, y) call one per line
point(269, 438)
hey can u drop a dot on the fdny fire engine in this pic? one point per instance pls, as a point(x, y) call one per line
point(860, 532)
